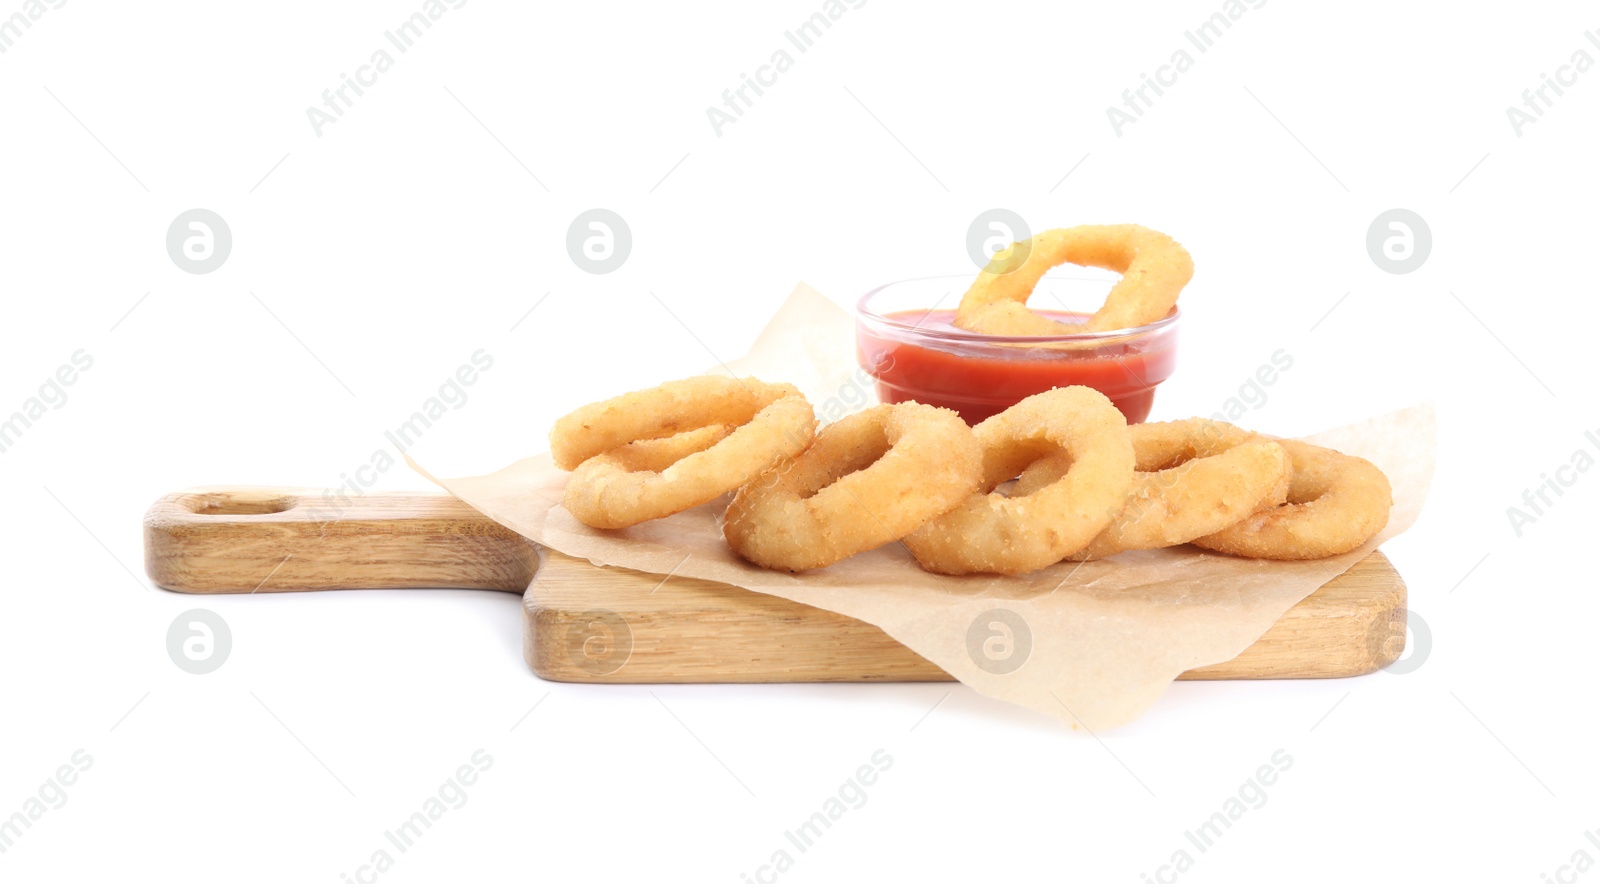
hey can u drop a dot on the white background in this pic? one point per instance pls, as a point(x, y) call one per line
point(369, 262)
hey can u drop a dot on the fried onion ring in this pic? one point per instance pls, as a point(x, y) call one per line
point(655, 455)
point(868, 479)
point(656, 452)
point(1194, 477)
point(1336, 502)
point(1154, 270)
point(993, 533)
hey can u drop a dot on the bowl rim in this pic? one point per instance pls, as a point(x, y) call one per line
point(865, 313)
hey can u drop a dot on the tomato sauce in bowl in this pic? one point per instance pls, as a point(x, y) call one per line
point(917, 354)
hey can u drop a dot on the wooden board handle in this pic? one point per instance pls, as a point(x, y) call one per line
point(261, 539)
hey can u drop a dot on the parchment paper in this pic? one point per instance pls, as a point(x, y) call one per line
point(1097, 642)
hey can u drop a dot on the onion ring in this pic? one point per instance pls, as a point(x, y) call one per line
point(868, 479)
point(993, 533)
point(681, 463)
point(1154, 270)
point(1336, 502)
point(1194, 477)
point(655, 455)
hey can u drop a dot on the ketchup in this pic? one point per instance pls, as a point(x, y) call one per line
point(920, 355)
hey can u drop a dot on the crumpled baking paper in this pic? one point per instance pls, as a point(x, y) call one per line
point(1092, 644)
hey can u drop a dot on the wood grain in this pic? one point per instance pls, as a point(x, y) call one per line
point(288, 539)
point(586, 623)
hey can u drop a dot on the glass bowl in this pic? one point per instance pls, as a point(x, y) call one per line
point(906, 340)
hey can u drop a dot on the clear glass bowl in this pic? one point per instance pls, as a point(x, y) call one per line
point(906, 340)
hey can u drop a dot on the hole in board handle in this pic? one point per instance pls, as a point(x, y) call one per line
point(239, 503)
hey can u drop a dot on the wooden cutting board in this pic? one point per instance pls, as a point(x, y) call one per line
point(586, 623)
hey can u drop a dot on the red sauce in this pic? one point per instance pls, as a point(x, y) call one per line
point(979, 379)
